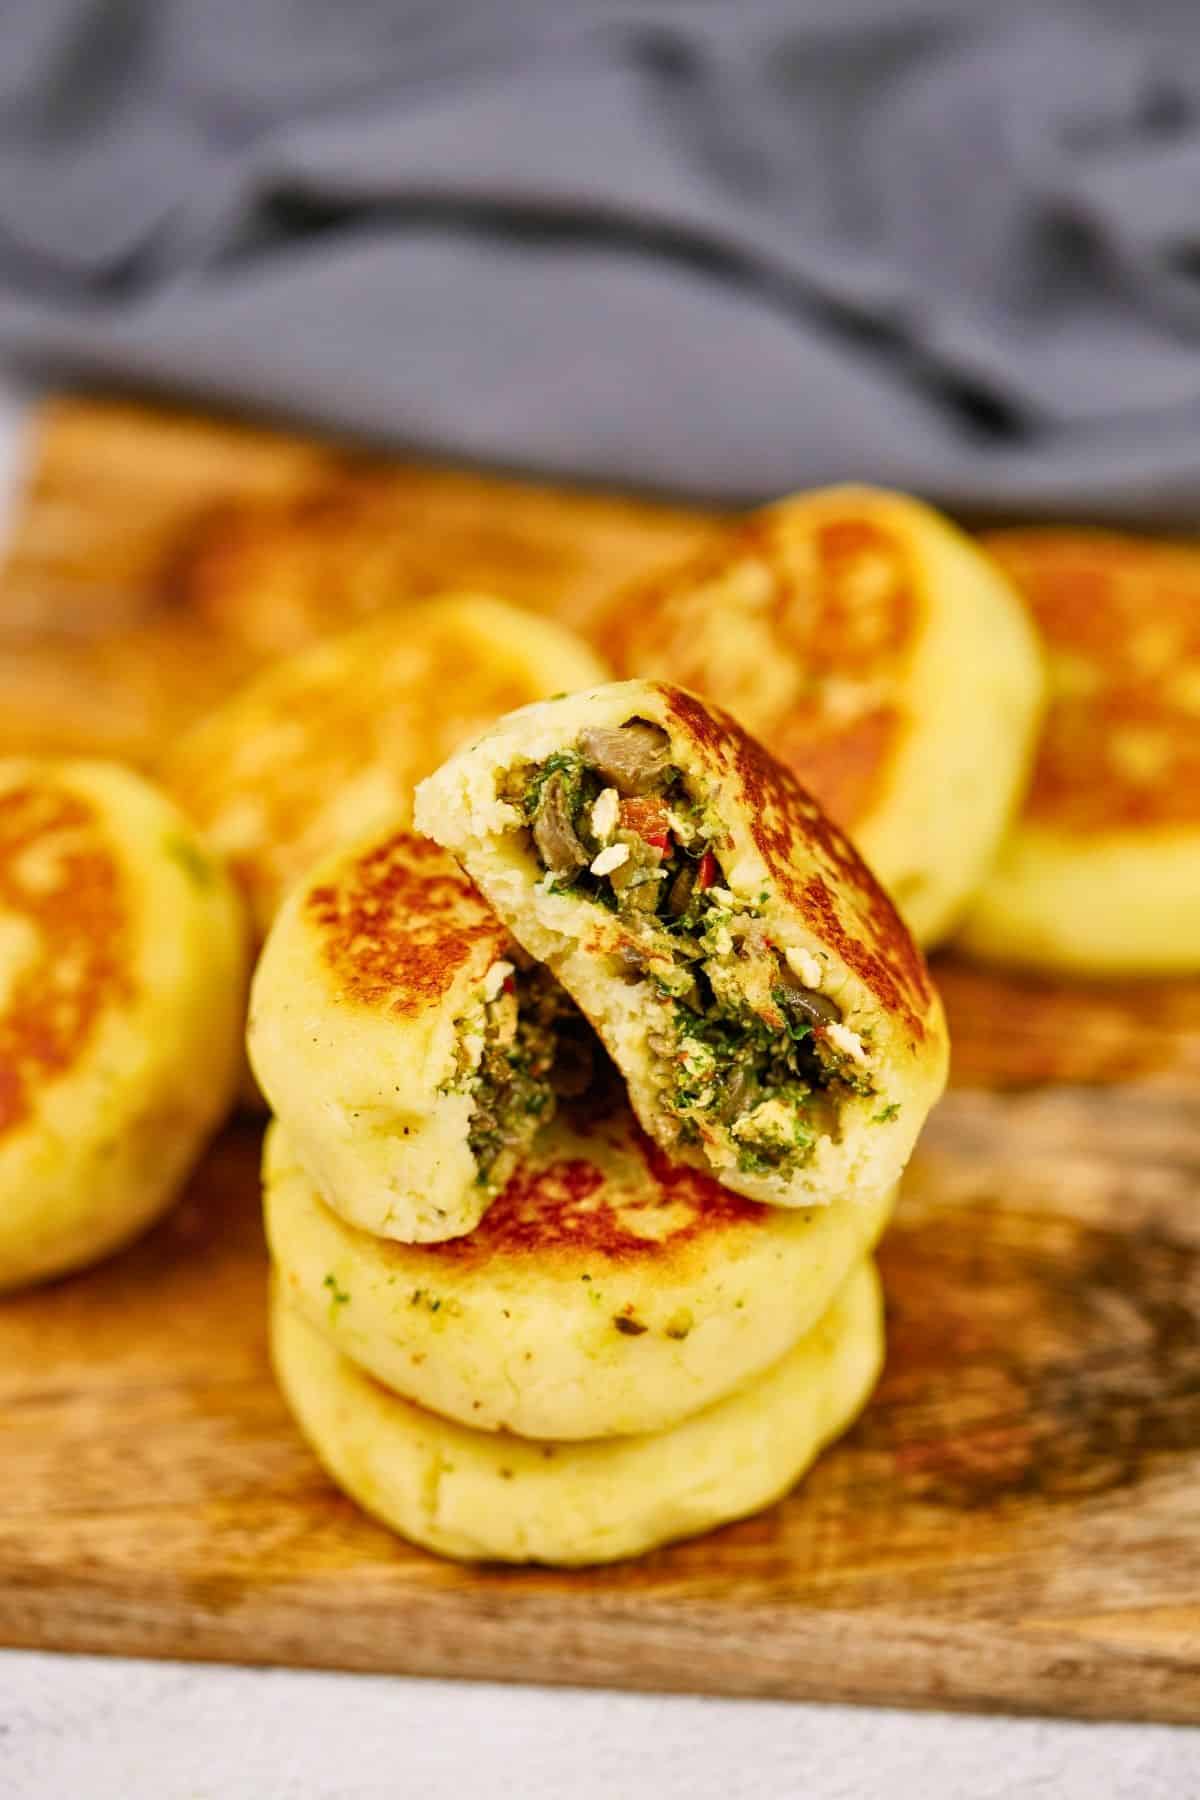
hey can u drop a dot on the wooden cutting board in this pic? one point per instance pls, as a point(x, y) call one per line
point(1015, 1522)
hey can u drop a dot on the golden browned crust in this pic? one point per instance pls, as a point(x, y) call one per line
point(329, 744)
point(623, 1203)
point(836, 599)
point(627, 1202)
point(845, 906)
point(399, 924)
point(1120, 618)
point(59, 875)
point(398, 695)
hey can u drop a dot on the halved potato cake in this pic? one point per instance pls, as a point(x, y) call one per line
point(476, 1494)
point(1101, 873)
point(753, 983)
point(408, 1047)
point(122, 983)
point(606, 1291)
point(876, 651)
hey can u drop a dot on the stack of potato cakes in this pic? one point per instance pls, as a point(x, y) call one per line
point(537, 1295)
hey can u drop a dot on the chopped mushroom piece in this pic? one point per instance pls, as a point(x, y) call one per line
point(797, 998)
point(633, 757)
point(554, 832)
point(682, 888)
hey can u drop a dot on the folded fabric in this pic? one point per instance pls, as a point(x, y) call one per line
point(726, 250)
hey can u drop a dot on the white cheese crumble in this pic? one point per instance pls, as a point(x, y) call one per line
point(495, 978)
point(606, 810)
point(768, 1119)
point(610, 859)
point(721, 896)
point(804, 966)
point(847, 1041)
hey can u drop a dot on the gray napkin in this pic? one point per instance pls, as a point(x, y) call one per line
point(725, 247)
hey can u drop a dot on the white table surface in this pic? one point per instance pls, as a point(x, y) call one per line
point(93, 1728)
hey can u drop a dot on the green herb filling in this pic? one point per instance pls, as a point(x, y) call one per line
point(744, 1062)
point(535, 1046)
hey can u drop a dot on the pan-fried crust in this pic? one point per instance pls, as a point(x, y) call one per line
point(62, 886)
point(1101, 873)
point(1120, 620)
point(328, 745)
point(399, 926)
point(122, 970)
point(367, 1024)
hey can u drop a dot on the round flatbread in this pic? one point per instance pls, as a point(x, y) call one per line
point(751, 980)
point(328, 745)
point(873, 649)
point(409, 1050)
point(122, 982)
point(605, 1292)
point(476, 1494)
point(1101, 875)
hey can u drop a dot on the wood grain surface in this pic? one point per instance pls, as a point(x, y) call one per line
point(1015, 1521)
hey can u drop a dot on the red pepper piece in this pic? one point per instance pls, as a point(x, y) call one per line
point(647, 816)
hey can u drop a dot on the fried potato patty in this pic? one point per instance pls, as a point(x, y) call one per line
point(751, 980)
point(329, 744)
point(880, 655)
point(475, 1494)
point(122, 982)
point(1101, 874)
point(407, 1052)
point(605, 1292)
